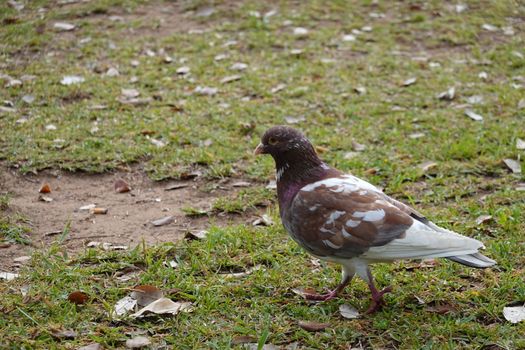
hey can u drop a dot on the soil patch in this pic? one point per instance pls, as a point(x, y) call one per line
point(129, 216)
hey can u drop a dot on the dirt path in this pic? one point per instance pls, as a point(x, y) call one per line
point(129, 216)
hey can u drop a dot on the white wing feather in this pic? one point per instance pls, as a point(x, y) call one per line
point(422, 242)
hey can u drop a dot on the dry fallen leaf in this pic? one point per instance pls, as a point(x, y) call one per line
point(513, 165)
point(196, 234)
point(358, 147)
point(294, 120)
point(64, 27)
point(416, 135)
point(124, 305)
point(521, 103)
point(313, 326)
point(92, 346)
point(243, 339)
point(8, 275)
point(230, 78)
point(441, 309)
point(520, 144)
point(348, 311)
point(303, 291)
point(164, 306)
point(277, 88)
point(300, 32)
point(45, 188)
point(241, 184)
point(473, 115)
point(129, 93)
point(71, 79)
point(426, 166)
point(483, 219)
point(146, 294)
point(64, 334)
point(272, 185)
point(137, 342)
point(163, 221)
point(239, 66)
point(448, 95)
point(87, 207)
point(514, 314)
point(410, 81)
point(121, 186)
point(264, 220)
point(206, 90)
point(183, 70)
point(78, 297)
point(243, 273)
point(45, 199)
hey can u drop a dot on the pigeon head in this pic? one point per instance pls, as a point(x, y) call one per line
point(284, 142)
point(296, 161)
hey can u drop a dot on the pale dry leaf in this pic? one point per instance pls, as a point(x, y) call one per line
point(350, 155)
point(172, 263)
point(138, 342)
point(243, 273)
point(483, 75)
point(146, 294)
point(348, 311)
point(8, 275)
point(349, 38)
point(480, 220)
point(163, 221)
point(361, 90)
point(22, 259)
point(112, 72)
point(294, 120)
point(520, 187)
point(92, 346)
point(196, 234)
point(513, 165)
point(277, 88)
point(64, 334)
point(358, 147)
point(426, 166)
point(272, 185)
point(63, 26)
point(410, 81)
point(129, 93)
point(241, 184)
point(220, 57)
point(508, 30)
point(296, 52)
point(264, 220)
point(448, 95)
point(206, 90)
point(300, 31)
point(416, 135)
point(473, 115)
point(230, 78)
point(158, 143)
point(475, 99)
point(514, 314)
point(124, 305)
point(183, 70)
point(45, 199)
point(71, 79)
point(521, 104)
point(13, 83)
point(520, 144)
point(239, 66)
point(164, 306)
point(459, 8)
point(167, 59)
point(28, 99)
point(489, 27)
point(87, 207)
point(205, 12)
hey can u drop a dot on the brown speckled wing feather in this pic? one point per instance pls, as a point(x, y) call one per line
point(341, 218)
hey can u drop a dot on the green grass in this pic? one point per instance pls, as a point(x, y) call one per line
point(469, 180)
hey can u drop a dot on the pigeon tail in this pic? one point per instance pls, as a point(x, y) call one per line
point(477, 260)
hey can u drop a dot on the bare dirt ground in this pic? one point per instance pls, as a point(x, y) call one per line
point(129, 216)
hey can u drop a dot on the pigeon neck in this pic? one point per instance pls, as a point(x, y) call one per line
point(294, 174)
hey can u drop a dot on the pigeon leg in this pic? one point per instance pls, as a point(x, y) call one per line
point(347, 277)
point(377, 295)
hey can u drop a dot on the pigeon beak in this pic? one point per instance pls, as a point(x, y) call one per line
point(259, 149)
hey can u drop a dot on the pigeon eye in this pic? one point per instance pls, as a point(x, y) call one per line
point(272, 141)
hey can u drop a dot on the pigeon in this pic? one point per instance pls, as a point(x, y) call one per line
point(341, 218)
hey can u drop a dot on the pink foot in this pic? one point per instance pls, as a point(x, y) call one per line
point(377, 300)
point(321, 297)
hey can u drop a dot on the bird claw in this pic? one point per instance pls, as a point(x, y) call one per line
point(320, 297)
point(377, 300)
